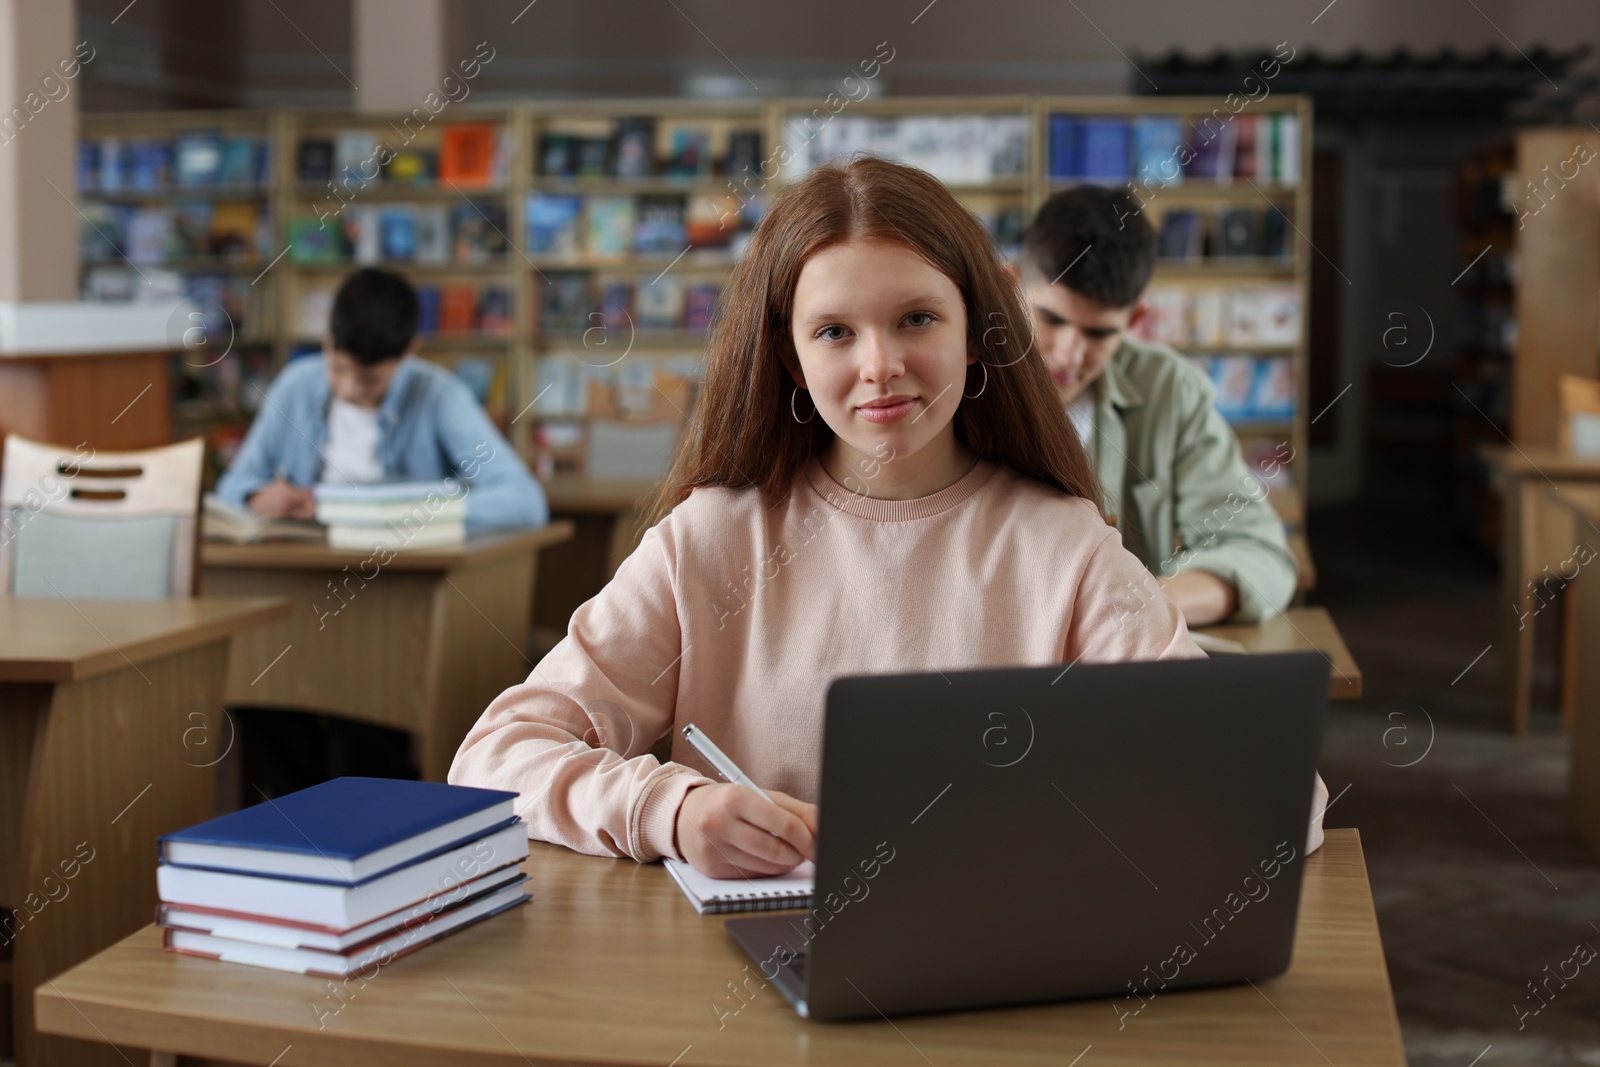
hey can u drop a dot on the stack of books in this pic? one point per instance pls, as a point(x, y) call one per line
point(393, 515)
point(334, 879)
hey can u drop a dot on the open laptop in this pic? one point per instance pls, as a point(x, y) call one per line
point(1032, 834)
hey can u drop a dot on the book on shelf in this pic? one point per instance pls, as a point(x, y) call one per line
point(1105, 148)
point(1247, 157)
point(458, 306)
point(397, 233)
point(314, 244)
point(1213, 147)
point(197, 158)
point(554, 223)
point(659, 226)
point(411, 166)
point(467, 153)
point(1181, 235)
point(478, 231)
point(1158, 149)
point(224, 521)
point(611, 221)
point(431, 223)
point(711, 220)
point(564, 302)
point(659, 305)
point(634, 152)
point(427, 309)
point(688, 152)
point(1264, 315)
point(355, 157)
point(593, 157)
point(744, 153)
point(314, 160)
point(700, 304)
point(616, 303)
point(1166, 316)
point(955, 148)
point(1238, 232)
point(1260, 316)
point(494, 311)
point(1250, 389)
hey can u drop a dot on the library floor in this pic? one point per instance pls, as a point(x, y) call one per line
point(1479, 880)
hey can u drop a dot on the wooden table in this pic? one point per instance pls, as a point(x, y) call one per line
point(1535, 532)
point(1299, 630)
point(422, 643)
point(1584, 788)
point(610, 965)
point(110, 730)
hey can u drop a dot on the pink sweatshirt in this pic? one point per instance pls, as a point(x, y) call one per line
point(736, 617)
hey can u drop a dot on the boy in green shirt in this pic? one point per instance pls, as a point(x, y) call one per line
point(1170, 467)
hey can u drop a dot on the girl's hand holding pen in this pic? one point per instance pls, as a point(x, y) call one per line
point(730, 831)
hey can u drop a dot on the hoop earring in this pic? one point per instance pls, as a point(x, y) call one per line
point(985, 367)
point(792, 398)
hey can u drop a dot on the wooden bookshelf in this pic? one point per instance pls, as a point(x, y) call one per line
point(1232, 273)
point(1005, 198)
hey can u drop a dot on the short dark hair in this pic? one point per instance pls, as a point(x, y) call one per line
point(1094, 240)
point(374, 316)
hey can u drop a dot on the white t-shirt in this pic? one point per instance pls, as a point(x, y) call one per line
point(1081, 412)
point(351, 456)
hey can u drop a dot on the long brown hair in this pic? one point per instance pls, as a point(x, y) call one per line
point(743, 432)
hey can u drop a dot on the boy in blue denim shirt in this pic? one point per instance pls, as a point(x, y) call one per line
point(370, 411)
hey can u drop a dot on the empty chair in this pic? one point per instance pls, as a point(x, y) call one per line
point(77, 522)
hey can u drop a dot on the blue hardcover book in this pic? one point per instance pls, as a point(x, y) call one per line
point(88, 165)
point(1157, 140)
point(1066, 159)
point(1105, 148)
point(198, 158)
point(427, 309)
point(397, 233)
point(347, 828)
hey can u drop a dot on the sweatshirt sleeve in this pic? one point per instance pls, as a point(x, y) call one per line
point(574, 739)
point(1121, 613)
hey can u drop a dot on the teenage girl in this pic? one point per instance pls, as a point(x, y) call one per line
point(878, 478)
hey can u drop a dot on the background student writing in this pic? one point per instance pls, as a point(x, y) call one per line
point(1169, 465)
point(370, 410)
point(871, 484)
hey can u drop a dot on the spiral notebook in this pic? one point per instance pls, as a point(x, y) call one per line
point(716, 895)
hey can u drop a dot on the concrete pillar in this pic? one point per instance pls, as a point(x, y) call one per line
point(40, 67)
point(399, 48)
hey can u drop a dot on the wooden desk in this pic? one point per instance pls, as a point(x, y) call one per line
point(422, 643)
point(110, 731)
point(1298, 630)
point(1535, 532)
point(608, 964)
point(1584, 790)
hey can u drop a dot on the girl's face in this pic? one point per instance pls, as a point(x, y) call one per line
point(882, 340)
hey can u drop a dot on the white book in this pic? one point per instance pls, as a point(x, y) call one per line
point(295, 935)
point(335, 906)
point(224, 521)
point(397, 537)
point(715, 895)
point(337, 964)
point(380, 513)
point(381, 492)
